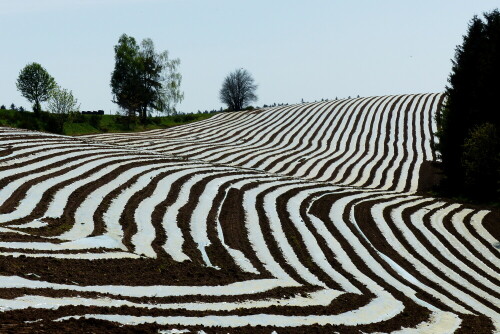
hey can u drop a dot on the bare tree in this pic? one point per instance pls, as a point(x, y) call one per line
point(238, 90)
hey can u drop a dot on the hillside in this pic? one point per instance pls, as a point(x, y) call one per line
point(375, 142)
point(302, 218)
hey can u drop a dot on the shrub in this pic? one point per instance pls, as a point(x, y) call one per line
point(77, 117)
point(53, 122)
point(184, 118)
point(54, 125)
point(29, 123)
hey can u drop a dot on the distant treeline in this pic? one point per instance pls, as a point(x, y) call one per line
point(79, 123)
point(12, 107)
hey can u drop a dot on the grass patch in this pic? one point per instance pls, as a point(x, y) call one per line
point(74, 129)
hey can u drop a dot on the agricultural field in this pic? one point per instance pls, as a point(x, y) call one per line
point(294, 219)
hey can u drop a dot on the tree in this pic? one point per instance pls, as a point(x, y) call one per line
point(480, 161)
point(62, 106)
point(144, 80)
point(471, 101)
point(2, 107)
point(12, 106)
point(125, 80)
point(238, 90)
point(35, 84)
point(170, 93)
point(62, 102)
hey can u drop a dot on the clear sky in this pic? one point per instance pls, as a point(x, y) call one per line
point(294, 49)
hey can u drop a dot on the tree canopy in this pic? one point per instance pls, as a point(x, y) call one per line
point(35, 84)
point(62, 102)
point(144, 80)
point(469, 123)
point(238, 90)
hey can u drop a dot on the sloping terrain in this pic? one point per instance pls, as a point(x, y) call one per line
point(299, 218)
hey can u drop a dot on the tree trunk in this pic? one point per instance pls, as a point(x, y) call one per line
point(144, 115)
point(37, 108)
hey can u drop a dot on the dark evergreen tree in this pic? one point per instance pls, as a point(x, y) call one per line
point(472, 101)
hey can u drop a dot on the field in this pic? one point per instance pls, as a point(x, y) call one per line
point(293, 219)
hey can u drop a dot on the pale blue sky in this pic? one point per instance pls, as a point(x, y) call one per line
point(294, 49)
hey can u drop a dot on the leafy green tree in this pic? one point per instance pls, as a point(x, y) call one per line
point(238, 90)
point(125, 79)
point(480, 160)
point(2, 107)
point(144, 80)
point(35, 84)
point(472, 100)
point(12, 106)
